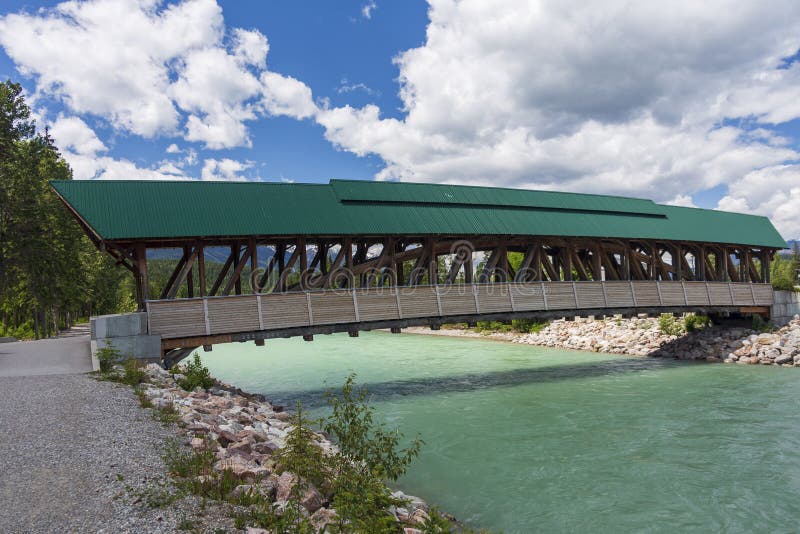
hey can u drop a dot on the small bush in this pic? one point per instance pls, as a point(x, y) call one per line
point(492, 326)
point(760, 325)
point(436, 523)
point(529, 326)
point(133, 372)
point(107, 356)
point(693, 322)
point(166, 414)
point(196, 374)
point(668, 325)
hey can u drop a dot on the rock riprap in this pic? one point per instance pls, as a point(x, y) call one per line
point(773, 348)
point(245, 432)
point(641, 336)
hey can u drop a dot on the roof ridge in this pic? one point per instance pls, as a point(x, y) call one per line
point(550, 191)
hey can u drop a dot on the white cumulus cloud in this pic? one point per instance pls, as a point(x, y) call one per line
point(645, 99)
point(154, 69)
point(225, 169)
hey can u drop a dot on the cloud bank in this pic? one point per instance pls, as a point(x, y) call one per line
point(635, 98)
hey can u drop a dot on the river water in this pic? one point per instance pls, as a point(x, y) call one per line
point(528, 439)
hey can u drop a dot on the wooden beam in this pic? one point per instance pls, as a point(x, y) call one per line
point(733, 273)
point(284, 274)
point(235, 281)
point(253, 245)
point(165, 291)
point(279, 250)
point(583, 273)
point(709, 270)
point(142, 283)
point(525, 272)
point(597, 267)
point(549, 267)
point(433, 267)
point(627, 260)
point(688, 273)
point(190, 282)
point(201, 270)
point(491, 265)
point(236, 250)
point(700, 263)
point(221, 276)
point(418, 271)
point(187, 266)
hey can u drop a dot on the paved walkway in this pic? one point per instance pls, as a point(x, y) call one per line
point(63, 355)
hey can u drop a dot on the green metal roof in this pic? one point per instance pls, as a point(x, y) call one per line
point(122, 210)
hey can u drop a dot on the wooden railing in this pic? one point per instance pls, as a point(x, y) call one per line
point(209, 316)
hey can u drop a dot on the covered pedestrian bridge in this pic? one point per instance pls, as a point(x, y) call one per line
point(252, 261)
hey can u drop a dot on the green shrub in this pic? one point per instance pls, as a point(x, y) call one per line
point(23, 331)
point(760, 325)
point(529, 326)
point(668, 325)
point(107, 356)
point(492, 326)
point(195, 374)
point(369, 455)
point(133, 372)
point(693, 322)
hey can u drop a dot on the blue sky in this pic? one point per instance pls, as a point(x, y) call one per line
point(331, 46)
point(682, 104)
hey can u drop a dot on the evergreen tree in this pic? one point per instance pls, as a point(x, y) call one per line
point(49, 271)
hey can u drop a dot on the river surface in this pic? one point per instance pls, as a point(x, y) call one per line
point(528, 439)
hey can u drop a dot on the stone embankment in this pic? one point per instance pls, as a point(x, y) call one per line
point(245, 432)
point(642, 336)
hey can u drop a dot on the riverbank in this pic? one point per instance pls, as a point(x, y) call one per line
point(241, 436)
point(645, 336)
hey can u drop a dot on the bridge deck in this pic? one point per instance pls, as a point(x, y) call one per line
point(195, 321)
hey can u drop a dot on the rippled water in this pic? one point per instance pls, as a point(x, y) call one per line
point(524, 439)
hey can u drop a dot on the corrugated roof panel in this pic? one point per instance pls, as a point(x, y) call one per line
point(156, 210)
point(404, 192)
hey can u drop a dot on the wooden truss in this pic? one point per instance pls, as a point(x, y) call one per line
point(303, 262)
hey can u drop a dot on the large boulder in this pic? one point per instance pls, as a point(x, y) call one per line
point(241, 467)
point(311, 500)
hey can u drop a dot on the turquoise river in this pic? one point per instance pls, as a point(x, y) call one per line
point(528, 439)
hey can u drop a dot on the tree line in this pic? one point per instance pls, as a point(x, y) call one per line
point(50, 273)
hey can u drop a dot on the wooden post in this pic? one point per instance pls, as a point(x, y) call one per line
point(700, 263)
point(399, 271)
point(189, 277)
point(235, 252)
point(433, 273)
point(627, 257)
point(597, 267)
point(141, 269)
point(744, 265)
point(253, 246)
point(301, 244)
point(723, 261)
point(201, 270)
point(677, 262)
point(468, 267)
point(566, 261)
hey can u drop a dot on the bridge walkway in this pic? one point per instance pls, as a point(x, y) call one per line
point(191, 322)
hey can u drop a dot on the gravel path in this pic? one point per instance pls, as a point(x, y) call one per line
point(70, 446)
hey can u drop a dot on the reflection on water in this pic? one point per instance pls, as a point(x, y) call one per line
point(524, 439)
